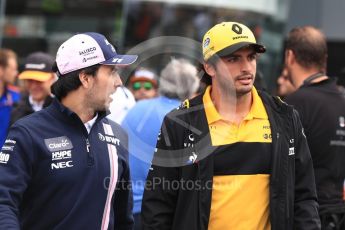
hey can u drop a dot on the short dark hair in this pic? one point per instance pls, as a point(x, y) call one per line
point(6, 54)
point(70, 81)
point(309, 47)
point(204, 77)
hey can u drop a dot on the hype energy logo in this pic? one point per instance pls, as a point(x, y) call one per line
point(60, 148)
point(58, 143)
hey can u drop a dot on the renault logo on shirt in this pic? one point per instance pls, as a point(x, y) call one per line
point(109, 139)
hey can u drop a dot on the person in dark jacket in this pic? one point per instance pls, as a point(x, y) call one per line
point(233, 157)
point(322, 109)
point(66, 166)
point(38, 77)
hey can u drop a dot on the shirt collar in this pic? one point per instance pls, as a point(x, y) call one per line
point(90, 123)
point(36, 106)
point(210, 110)
point(257, 109)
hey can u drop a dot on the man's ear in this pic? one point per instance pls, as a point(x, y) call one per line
point(85, 79)
point(289, 57)
point(209, 69)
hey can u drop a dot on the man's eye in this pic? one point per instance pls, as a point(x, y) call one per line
point(232, 59)
point(253, 57)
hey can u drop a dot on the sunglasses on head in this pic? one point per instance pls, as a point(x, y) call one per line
point(146, 85)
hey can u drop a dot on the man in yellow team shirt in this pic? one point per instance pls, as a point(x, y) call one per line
point(233, 157)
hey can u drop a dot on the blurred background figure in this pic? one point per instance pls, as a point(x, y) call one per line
point(123, 101)
point(178, 81)
point(259, 81)
point(284, 85)
point(38, 77)
point(143, 84)
point(322, 110)
point(8, 93)
point(341, 87)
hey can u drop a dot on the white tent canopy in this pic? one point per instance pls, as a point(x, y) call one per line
point(269, 7)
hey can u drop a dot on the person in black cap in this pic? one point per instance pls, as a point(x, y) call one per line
point(66, 166)
point(233, 157)
point(38, 77)
point(322, 109)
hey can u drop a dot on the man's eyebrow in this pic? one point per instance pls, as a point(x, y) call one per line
point(232, 56)
point(113, 68)
point(237, 55)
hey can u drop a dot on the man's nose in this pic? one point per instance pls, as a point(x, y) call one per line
point(117, 81)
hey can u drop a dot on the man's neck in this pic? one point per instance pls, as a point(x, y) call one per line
point(232, 108)
point(300, 75)
point(76, 103)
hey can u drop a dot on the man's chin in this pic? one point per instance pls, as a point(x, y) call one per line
point(244, 90)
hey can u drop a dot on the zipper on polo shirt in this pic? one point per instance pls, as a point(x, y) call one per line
point(90, 159)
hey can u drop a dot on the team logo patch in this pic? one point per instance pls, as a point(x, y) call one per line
point(61, 152)
point(109, 139)
point(236, 28)
point(207, 42)
point(58, 143)
point(4, 157)
point(341, 121)
point(291, 151)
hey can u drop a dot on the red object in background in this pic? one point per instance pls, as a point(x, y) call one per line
point(257, 31)
point(10, 30)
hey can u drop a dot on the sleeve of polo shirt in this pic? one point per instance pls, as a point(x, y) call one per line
point(306, 205)
point(16, 162)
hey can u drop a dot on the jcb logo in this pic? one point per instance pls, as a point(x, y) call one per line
point(61, 165)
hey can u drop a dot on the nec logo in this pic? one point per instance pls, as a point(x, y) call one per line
point(62, 165)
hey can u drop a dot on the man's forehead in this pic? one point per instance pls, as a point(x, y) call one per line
point(110, 67)
point(246, 49)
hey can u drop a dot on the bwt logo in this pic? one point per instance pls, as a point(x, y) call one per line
point(4, 158)
point(108, 139)
point(62, 165)
point(58, 144)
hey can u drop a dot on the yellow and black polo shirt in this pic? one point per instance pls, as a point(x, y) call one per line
point(240, 193)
